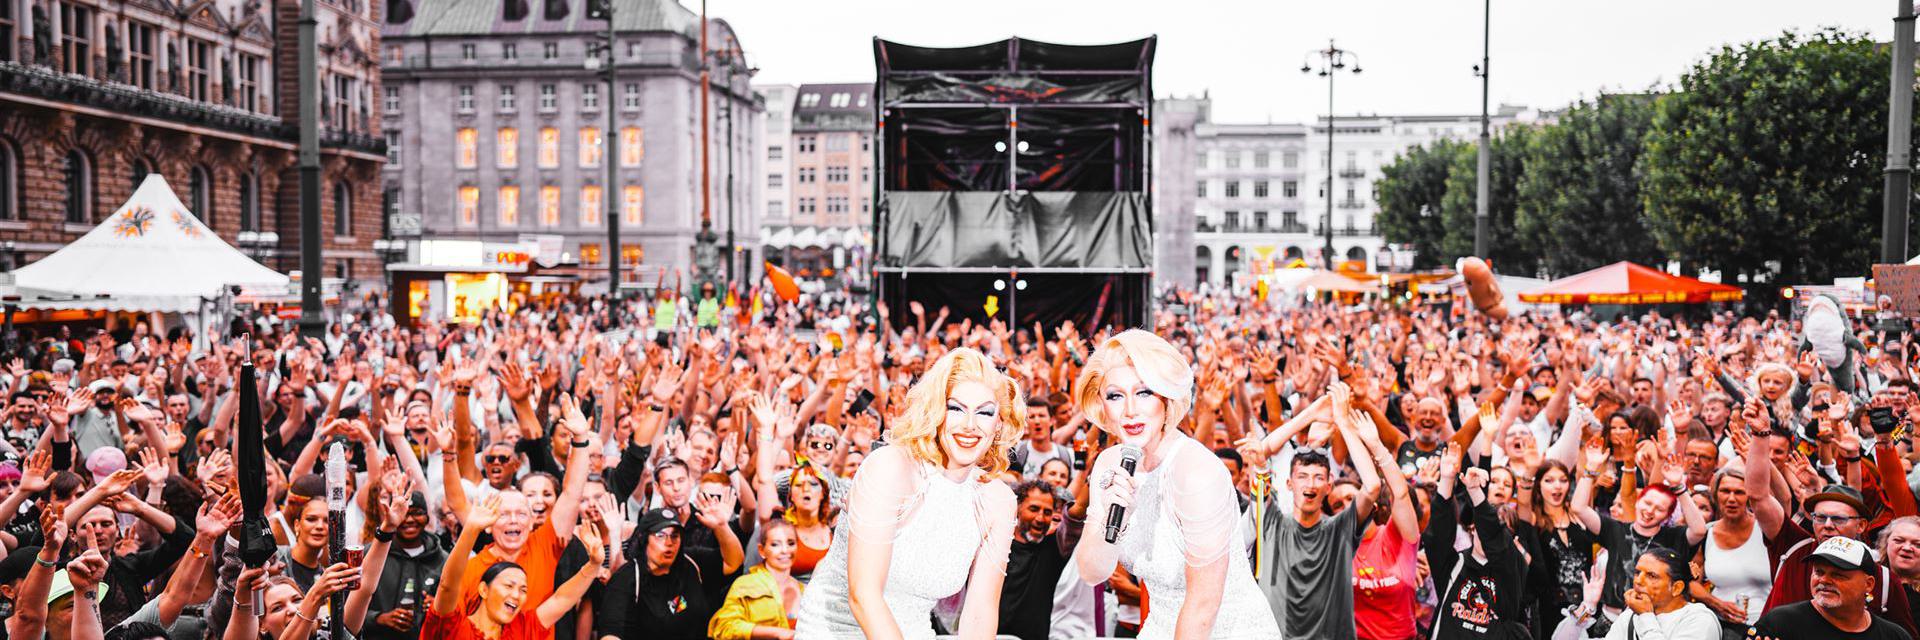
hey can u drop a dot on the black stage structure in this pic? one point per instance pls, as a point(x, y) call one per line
point(1011, 169)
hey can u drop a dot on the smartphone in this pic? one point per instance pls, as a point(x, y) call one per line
point(861, 402)
point(1883, 420)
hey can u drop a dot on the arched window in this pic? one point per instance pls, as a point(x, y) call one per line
point(1233, 261)
point(1294, 253)
point(9, 182)
point(1202, 263)
point(249, 202)
point(342, 209)
point(1357, 254)
point(78, 175)
point(139, 174)
point(200, 193)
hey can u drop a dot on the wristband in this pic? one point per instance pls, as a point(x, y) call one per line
point(1589, 473)
point(580, 444)
point(657, 408)
point(382, 536)
point(45, 563)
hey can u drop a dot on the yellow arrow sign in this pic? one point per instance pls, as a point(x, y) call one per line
point(993, 305)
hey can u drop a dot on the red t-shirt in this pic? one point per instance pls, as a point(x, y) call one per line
point(1385, 568)
point(525, 626)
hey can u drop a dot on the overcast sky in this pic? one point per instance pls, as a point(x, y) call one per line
point(1417, 56)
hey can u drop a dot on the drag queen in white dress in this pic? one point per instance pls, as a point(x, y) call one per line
point(1180, 537)
point(924, 519)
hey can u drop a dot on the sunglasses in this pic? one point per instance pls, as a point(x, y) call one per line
point(498, 459)
point(824, 446)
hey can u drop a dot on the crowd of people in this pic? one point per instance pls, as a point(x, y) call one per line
point(674, 468)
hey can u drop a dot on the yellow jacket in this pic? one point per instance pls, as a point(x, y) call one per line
point(753, 600)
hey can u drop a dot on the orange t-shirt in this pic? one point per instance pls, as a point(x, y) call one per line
point(525, 626)
point(540, 558)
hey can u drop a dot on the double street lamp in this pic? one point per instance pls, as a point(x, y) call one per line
point(1333, 60)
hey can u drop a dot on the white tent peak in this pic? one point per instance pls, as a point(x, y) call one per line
point(152, 254)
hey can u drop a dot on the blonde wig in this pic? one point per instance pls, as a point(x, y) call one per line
point(1156, 361)
point(918, 428)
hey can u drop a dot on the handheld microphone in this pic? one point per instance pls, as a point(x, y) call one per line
point(1129, 457)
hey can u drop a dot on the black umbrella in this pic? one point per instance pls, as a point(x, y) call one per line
point(256, 537)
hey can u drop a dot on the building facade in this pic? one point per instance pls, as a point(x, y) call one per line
point(96, 94)
point(829, 151)
point(500, 115)
point(776, 153)
point(1255, 195)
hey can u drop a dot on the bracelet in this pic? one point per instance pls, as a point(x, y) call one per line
point(1627, 470)
point(1850, 458)
point(1589, 473)
point(580, 444)
point(243, 604)
point(314, 619)
point(197, 553)
point(45, 563)
point(657, 408)
point(382, 536)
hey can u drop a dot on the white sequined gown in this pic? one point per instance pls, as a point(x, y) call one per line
point(933, 553)
point(1152, 550)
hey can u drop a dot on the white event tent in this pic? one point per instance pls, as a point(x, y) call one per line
point(152, 254)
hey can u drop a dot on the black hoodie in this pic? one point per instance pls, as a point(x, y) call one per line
point(1478, 599)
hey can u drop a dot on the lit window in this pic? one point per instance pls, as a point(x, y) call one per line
point(590, 205)
point(631, 255)
point(590, 147)
point(468, 153)
point(632, 147)
point(549, 148)
point(589, 253)
point(469, 206)
point(549, 206)
point(508, 148)
point(509, 206)
point(632, 201)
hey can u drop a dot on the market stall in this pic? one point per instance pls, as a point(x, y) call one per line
point(1629, 283)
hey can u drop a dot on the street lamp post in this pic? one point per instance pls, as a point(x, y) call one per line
point(609, 195)
point(1483, 177)
point(312, 324)
point(1333, 60)
point(1899, 171)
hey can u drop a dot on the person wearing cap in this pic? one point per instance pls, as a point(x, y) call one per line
point(663, 593)
point(1843, 579)
point(1837, 512)
point(98, 426)
point(412, 570)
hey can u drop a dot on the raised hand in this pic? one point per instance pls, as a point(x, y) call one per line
point(217, 516)
point(1595, 455)
point(153, 466)
point(485, 514)
point(34, 476)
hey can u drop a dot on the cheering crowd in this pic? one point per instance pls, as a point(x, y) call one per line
point(679, 468)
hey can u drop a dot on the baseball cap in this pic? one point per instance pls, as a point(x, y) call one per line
point(658, 520)
point(1845, 553)
point(104, 461)
point(16, 565)
point(1839, 493)
point(63, 587)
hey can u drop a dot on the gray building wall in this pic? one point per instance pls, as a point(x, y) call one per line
point(428, 72)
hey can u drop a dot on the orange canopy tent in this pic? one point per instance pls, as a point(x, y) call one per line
point(1629, 283)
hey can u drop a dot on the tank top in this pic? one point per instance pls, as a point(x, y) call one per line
point(1742, 571)
point(805, 557)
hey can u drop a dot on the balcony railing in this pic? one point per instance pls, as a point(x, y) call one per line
point(1344, 232)
point(42, 82)
point(1353, 172)
point(1292, 227)
point(1352, 204)
point(536, 62)
point(1204, 227)
point(353, 141)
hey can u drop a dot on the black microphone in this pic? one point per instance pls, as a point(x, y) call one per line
point(1129, 456)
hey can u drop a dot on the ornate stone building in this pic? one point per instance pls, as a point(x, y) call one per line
point(95, 94)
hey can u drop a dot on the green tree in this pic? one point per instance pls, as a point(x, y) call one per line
point(1506, 252)
point(1409, 192)
point(1579, 200)
point(1772, 151)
